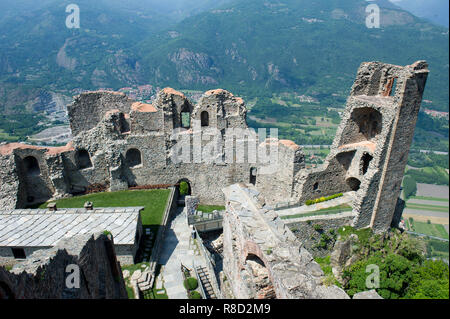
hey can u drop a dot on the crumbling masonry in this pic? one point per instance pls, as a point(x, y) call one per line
point(120, 143)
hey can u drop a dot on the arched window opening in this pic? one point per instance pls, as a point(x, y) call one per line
point(185, 116)
point(390, 87)
point(368, 121)
point(204, 117)
point(253, 172)
point(184, 187)
point(32, 166)
point(133, 157)
point(83, 159)
point(316, 186)
point(264, 286)
point(365, 125)
point(353, 183)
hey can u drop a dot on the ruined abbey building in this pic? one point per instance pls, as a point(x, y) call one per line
point(120, 143)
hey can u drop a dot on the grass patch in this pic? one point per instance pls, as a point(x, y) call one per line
point(363, 234)
point(430, 198)
point(130, 292)
point(325, 264)
point(210, 208)
point(154, 201)
point(325, 211)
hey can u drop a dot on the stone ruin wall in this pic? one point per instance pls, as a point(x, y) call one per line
point(117, 125)
point(43, 275)
point(364, 157)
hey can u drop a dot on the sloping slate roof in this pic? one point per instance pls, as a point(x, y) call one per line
point(44, 228)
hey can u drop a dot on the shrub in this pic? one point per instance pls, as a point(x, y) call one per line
point(184, 188)
point(318, 227)
point(191, 283)
point(195, 295)
point(322, 199)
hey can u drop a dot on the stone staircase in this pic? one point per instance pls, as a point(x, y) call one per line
point(142, 280)
point(206, 282)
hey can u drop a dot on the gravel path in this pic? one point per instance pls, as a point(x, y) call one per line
point(178, 248)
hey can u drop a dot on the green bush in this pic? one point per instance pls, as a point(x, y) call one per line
point(195, 295)
point(184, 188)
point(191, 283)
point(322, 199)
point(318, 227)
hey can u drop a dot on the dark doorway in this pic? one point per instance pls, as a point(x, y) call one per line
point(365, 162)
point(31, 165)
point(83, 159)
point(133, 157)
point(204, 116)
point(18, 253)
point(253, 172)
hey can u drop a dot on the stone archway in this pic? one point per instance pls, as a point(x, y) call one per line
point(183, 189)
point(31, 166)
point(353, 183)
point(133, 157)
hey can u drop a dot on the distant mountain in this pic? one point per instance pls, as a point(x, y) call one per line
point(251, 47)
point(37, 51)
point(256, 47)
point(435, 11)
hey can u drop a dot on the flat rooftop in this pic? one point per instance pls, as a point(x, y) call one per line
point(44, 228)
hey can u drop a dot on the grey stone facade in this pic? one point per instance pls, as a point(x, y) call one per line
point(120, 143)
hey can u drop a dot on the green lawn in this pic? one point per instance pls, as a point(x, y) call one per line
point(436, 230)
point(325, 211)
point(153, 200)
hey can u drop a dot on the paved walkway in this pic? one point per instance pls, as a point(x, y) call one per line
point(178, 248)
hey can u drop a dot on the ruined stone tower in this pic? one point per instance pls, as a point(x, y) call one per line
point(370, 151)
